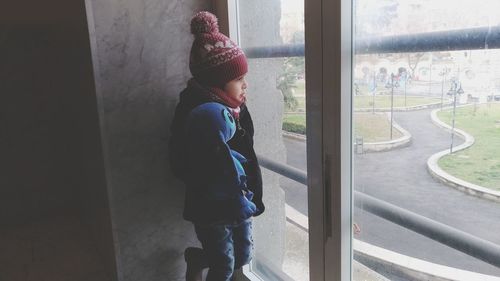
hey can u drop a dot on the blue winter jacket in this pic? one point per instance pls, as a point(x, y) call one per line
point(195, 208)
point(218, 183)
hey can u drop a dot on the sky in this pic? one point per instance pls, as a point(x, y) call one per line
point(391, 17)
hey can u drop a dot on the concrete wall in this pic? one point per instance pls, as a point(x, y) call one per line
point(141, 53)
point(51, 158)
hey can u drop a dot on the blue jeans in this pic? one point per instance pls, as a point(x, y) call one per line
point(227, 246)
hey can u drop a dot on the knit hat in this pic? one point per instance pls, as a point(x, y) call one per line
point(215, 59)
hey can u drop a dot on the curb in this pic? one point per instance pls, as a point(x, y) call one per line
point(396, 109)
point(402, 109)
point(294, 136)
point(444, 177)
point(400, 264)
point(403, 141)
point(413, 268)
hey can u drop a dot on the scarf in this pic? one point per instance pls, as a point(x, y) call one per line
point(218, 95)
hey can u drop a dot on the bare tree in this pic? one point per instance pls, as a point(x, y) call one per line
point(413, 60)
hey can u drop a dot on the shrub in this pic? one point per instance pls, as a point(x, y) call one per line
point(294, 128)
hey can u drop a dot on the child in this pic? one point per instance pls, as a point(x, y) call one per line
point(218, 67)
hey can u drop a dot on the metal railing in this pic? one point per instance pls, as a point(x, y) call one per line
point(453, 40)
point(444, 234)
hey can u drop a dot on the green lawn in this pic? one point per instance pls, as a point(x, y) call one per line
point(302, 104)
point(479, 164)
point(295, 123)
point(364, 89)
point(372, 127)
point(301, 88)
point(380, 101)
point(299, 119)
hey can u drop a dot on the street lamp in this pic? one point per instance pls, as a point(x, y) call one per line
point(443, 73)
point(456, 89)
point(403, 77)
point(406, 81)
point(373, 91)
point(392, 85)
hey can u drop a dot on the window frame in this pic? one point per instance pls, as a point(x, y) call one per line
point(336, 73)
point(227, 14)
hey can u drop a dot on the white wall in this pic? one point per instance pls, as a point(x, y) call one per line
point(141, 53)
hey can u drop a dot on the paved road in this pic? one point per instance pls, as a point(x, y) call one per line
point(400, 177)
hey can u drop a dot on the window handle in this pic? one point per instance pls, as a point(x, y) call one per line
point(327, 197)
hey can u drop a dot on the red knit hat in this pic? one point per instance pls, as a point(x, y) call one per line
point(215, 59)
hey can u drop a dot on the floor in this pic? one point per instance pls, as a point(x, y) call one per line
point(56, 249)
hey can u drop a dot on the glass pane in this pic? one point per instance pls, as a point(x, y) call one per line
point(277, 101)
point(426, 131)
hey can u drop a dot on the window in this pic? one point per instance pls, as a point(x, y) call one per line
point(277, 100)
point(301, 229)
point(425, 137)
point(401, 99)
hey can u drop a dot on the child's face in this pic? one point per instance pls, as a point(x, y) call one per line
point(237, 89)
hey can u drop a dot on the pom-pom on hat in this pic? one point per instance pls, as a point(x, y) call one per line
point(215, 59)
